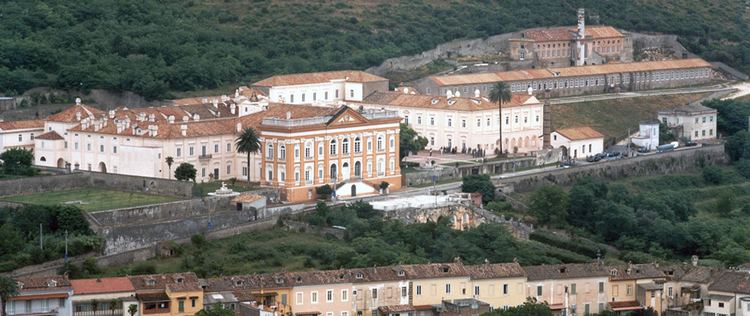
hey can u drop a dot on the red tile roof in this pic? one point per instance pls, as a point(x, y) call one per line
point(579, 133)
point(69, 115)
point(50, 136)
point(567, 33)
point(102, 285)
point(25, 124)
point(441, 102)
point(318, 77)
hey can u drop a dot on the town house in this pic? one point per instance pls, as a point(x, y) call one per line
point(176, 294)
point(571, 289)
point(41, 296)
point(501, 285)
point(103, 297)
point(636, 287)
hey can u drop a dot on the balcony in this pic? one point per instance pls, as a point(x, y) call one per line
point(107, 312)
point(36, 311)
point(205, 157)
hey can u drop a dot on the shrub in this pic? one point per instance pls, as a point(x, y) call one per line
point(324, 191)
point(712, 175)
point(144, 268)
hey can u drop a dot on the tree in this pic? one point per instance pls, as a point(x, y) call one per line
point(529, 308)
point(738, 146)
point(169, 160)
point(712, 175)
point(409, 141)
point(500, 93)
point(185, 171)
point(132, 309)
point(217, 310)
point(8, 288)
point(665, 134)
point(17, 161)
point(743, 167)
point(550, 205)
point(479, 183)
point(248, 142)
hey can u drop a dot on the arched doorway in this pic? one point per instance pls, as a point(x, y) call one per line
point(357, 169)
point(334, 175)
point(43, 159)
point(102, 167)
point(564, 151)
point(61, 163)
point(354, 190)
point(345, 171)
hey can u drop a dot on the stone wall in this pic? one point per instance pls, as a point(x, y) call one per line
point(424, 177)
point(654, 164)
point(85, 179)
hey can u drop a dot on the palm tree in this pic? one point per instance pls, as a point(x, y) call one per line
point(248, 142)
point(500, 93)
point(132, 309)
point(169, 161)
point(8, 288)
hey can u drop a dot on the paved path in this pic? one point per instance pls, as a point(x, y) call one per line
point(646, 93)
point(743, 89)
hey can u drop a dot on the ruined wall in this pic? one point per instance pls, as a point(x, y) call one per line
point(456, 173)
point(655, 164)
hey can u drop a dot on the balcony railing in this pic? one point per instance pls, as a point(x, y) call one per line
point(205, 157)
point(107, 312)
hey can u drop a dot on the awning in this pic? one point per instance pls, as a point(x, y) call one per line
point(625, 306)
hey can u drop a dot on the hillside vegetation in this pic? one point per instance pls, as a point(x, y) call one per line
point(154, 47)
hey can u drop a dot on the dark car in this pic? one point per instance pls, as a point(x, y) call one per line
point(690, 143)
point(643, 150)
point(593, 158)
point(613, 154)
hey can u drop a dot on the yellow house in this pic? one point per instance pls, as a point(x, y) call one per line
point(432, 283)
point(499, 284)
point(569, 289)
point(636, 287)
point(177, 294)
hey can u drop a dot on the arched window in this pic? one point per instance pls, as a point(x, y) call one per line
point(380, 167)
point(282, 152)
point(269, 151)
point(357, 169)
point(334, 175)
point(308, 150)
point(392, 165)
point(334, 150)
point(392, 142)
point(380, 143)
point(357, 145)
point(345, 146)
point(320, 172)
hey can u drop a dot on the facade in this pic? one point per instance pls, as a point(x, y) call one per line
point(571, 289)
point(578, 142)
point(568, 81)
point(19, 134)
point(381, 291)
point(176, 294)
point(462, 123)
point(103, 297)
point(321, 293)
point(729, 294)
point(648, 135)
point(499, 285)
point(305, 147)
point(571, 46)
point(321, 87)
point(41, 296)
point(637, 287)
point(693, 122)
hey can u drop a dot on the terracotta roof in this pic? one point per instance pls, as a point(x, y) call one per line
point(102, 285)
point(31, 283)
point(187, 281)
point(318, 77)
point(635, 272)
point(568, 33)
point(495, 270)
point(247, 198)
point(625, 306)
point(250, 92)
point(565, 271)
point(732, 282)
point(25, 124)
point(579, 133)
point(590, 70)
point(700, 274)
point(69, 115)
point(444, 103)
point(52, 135)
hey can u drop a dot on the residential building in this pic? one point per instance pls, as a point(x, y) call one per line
point(19, 134)
point(328, 87)
point(304, 147)
point(648, 135)
point(41, 296)
point(498, 285)
point(464, 307)
point(462, 123)
point(571, 289)
point(103, 297)
point(686, 287)
point(578, 142)
point(176, 294)
point(381, 291)
point(694, 121)
point(729, 294)
point(432, 283)
point(637, 287)
point(269, 293)
point(324, 293)
point(568, 81)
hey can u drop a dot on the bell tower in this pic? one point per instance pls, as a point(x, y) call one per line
point(581, 38)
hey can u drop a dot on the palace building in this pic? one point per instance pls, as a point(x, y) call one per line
point(305, 147)
point(321, 87)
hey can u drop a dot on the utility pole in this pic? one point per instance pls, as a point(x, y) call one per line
point(66, 246)
point(41, 241)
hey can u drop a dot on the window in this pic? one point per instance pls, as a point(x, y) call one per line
point(299, 300)
point(419, 290)
point(345, 146)
point(432, 121)
point(179, 152)
point(344, 313)
point(488, 121)
point(392, 142)
point(374, 293)
point(181, 305)
point(344, 295)
point(505, 289)
point(269, 152)
point(573, 289)
point(315, 96)
point(282, 152)
point(380, 143)
point(314, 297)
point(329, 296)
point(538, 290)
point(629, 290)
point(447, 288)
point(669, 291)
point(325, 95)
point(403, 291)
point(291, 98)
point(601, 287)
point(721, 305)
point(20, 137)
point(357, 145)
point(476, 290)
point(479, 122)
point(216, 148)
point(229, 147)
point(406, 119)
point(114, 149)
point(296, 152)
point(192, 301)
point(336, 93)
point(303, 97)
point(101, 148)
point(419, 120)
point(229, 169)
point(463, 123)
point(88, 146)
point(308, 151)
point(351, 93)
point(450, 122)
point(244, 172)
point(333, 147)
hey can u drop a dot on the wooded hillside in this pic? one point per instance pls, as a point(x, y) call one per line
point(154, 47)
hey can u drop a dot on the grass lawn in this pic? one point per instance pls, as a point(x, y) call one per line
point(91, 199)
point(613, 117)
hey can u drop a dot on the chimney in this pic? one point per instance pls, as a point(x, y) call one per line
point(78, 116)
point(185, 118)
point(233, 108)
point(288, 115)
point(239, 127)
point(170, 119)
point(78, 101)
point(196, 117)
point(546, 122)
point(119, 127)
point(449, 94)
point(111, 114)
point(458, 94)
point(152, 117)
point(530, 90)
point(183, 129)
point(477, 93)
point(215, 102)
point(156, 130)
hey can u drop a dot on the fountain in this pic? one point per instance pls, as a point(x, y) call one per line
point(223, 191)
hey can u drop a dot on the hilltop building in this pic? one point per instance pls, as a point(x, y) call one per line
point(694, 121)
point(19, 134)
point(460, 123)
point(578, 142)
point(321, 87)
point(568, 81)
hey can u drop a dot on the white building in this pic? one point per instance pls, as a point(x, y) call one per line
point(19, 134)
point(41, 296)
point(694, 121)
point(648, 135)
point(578, 142)
point(729, 294)
point(460, 123)
point(321, 87)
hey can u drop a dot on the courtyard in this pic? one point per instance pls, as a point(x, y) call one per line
point(91, 199)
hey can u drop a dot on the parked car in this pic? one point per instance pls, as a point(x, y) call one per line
point(643, 150)
point(613, 154)
point(690, 143)
point(594, 158)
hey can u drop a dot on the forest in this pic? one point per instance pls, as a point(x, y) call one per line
point(157, 48)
